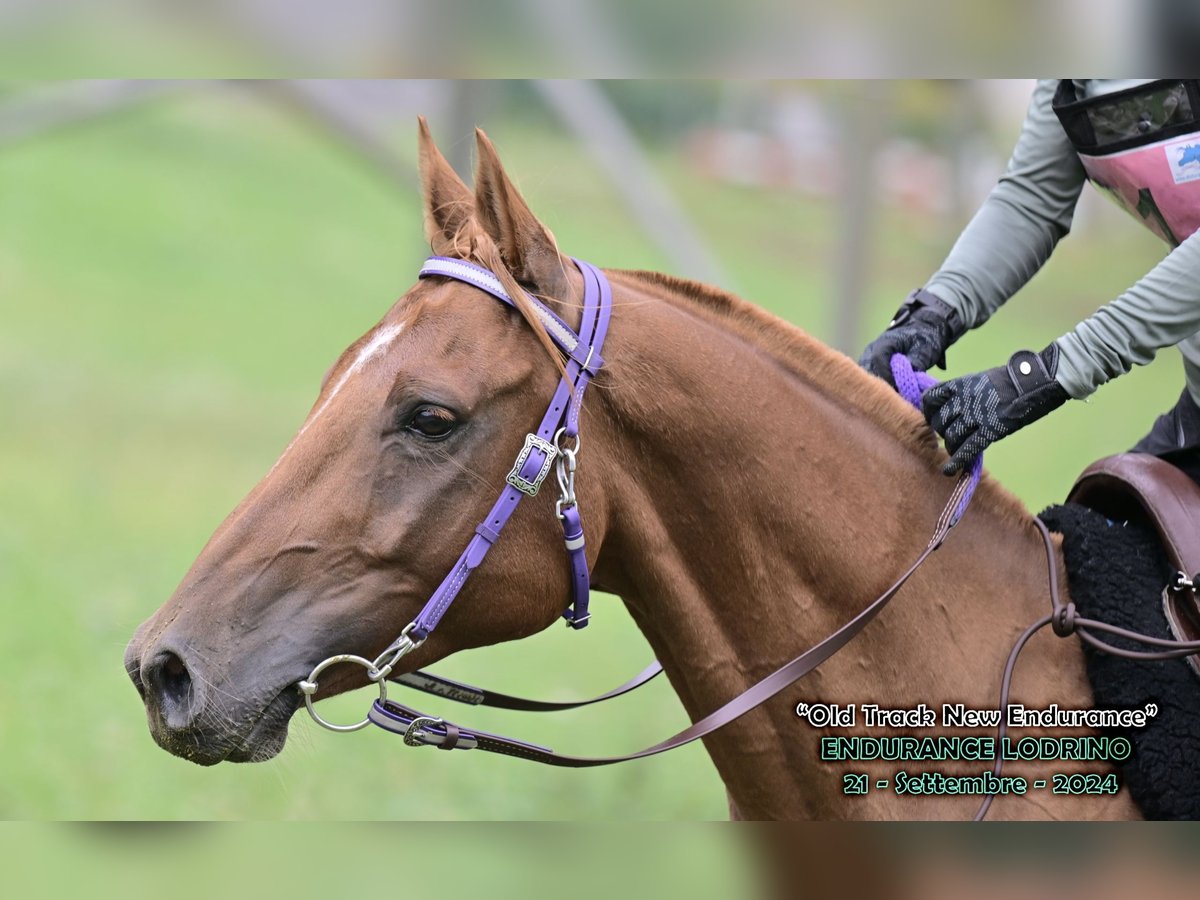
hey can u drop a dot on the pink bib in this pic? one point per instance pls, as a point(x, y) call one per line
point(1142, 147)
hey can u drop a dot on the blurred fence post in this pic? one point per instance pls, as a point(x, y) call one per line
point(588, 113)
point(465, 105)
point(331, 105)
point(864, 113)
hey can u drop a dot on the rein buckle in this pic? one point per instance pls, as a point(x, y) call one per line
point(414, 730)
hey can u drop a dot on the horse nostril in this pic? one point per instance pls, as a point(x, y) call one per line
point(170, 685)
point(177, 683)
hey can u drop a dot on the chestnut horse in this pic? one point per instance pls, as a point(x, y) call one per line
point(746, 491)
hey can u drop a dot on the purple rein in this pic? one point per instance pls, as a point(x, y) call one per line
point(911, 385)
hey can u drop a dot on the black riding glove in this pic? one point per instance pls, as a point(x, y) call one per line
point(922, 330)
point(975, 410)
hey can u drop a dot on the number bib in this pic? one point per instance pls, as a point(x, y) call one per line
point(1141, 147)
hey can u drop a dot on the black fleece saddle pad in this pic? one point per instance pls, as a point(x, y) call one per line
point(1116, 572)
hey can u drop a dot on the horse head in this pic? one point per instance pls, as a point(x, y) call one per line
point(341, 543)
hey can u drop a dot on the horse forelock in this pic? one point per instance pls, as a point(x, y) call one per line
point(833, 374)
point(471, 243)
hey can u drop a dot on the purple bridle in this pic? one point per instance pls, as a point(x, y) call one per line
point(545, 449)
point(554, 445)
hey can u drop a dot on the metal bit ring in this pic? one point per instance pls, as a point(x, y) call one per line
point(308, 687)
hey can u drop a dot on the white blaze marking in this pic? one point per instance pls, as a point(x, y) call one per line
point(372, 348)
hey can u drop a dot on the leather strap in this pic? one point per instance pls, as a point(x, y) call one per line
point(577, 615)
point(424, 730)
point(441, 686)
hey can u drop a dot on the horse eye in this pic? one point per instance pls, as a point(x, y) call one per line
point(431, 421)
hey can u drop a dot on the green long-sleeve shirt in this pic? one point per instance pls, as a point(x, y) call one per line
point(1017, 228)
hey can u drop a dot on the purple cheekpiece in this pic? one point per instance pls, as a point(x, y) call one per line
point(542, 448)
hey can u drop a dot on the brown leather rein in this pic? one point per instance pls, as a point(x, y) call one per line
point(419, 729)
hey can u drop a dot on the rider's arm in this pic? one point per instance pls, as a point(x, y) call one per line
point(1021, 221)
point(1159, 311)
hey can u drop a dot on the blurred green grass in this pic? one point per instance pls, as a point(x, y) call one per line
point(174, 282)
point(304, 859)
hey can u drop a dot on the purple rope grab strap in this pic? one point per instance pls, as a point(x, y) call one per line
point(912, 385)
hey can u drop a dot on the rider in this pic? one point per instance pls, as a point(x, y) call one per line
point(1138, 141)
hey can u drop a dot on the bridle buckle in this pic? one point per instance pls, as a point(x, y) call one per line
point(530, 485)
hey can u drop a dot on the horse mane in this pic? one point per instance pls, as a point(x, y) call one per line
point(827, 370)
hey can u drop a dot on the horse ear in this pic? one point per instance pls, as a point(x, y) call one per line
point(527, 246)
point(448, 202)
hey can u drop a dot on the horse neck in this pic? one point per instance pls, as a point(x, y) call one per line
point(763, 490)
point(759, 458)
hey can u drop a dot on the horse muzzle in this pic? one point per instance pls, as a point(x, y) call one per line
point(191, 718)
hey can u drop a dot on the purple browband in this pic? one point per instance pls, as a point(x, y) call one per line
point(541, 447)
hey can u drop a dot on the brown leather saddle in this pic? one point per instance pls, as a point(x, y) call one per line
point(1141, 487)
